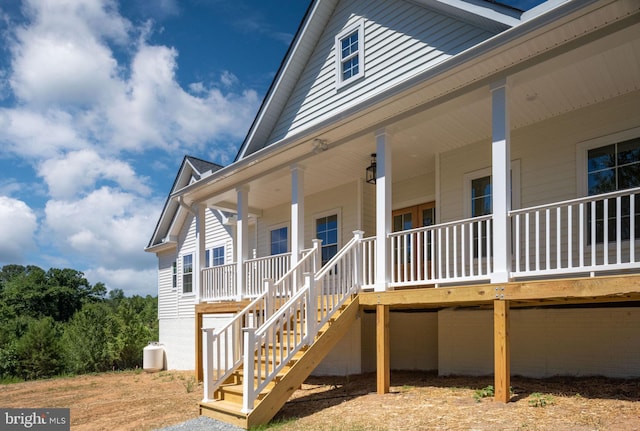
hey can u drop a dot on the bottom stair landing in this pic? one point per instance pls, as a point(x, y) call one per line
point(228, 405)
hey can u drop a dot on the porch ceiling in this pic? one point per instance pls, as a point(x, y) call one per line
point(591, 73)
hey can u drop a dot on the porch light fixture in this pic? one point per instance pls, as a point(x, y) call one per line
point(370, 174)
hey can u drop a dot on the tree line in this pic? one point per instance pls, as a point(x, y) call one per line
point(55, 322)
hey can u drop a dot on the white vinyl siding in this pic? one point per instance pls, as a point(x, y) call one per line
point(401, 39)
point(345, 198)
point(167, 295)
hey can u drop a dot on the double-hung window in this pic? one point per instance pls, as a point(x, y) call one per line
point(187, 273)
point(217, 256)
point(279, 240)
point(350, 54)
point(327, 231)
point(611, 168)
point(214, 256)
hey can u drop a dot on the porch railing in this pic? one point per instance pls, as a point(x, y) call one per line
point(592, 234)
point(219, 283)
point(444, 253)
point(223, 348)
point(261, 268)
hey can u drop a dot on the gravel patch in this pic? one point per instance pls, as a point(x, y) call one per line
point(201, 423)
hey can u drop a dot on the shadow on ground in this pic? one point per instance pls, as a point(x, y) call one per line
point(319, 393)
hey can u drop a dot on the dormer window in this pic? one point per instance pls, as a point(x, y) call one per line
point(350, 54)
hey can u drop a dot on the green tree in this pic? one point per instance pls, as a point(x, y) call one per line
point(89, 339)
point(137, 326)
point(38, 350)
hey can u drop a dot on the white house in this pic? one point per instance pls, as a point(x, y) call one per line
point(472, 172)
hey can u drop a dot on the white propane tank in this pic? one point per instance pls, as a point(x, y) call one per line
point(153, 357)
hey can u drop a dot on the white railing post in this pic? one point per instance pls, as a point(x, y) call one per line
point(207, 362)
point(249, 369)
point(311, 311)
point(317, 261)
point(358, 264)
point(269, 287)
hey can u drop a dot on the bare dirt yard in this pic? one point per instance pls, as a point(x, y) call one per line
point(418, 401)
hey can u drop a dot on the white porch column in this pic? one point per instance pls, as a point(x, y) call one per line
point(242, 238)
point(501, 182)
point(199, 256)
point(297, 213)
point(383, 209)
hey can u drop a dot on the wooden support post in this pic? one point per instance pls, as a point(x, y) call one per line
point(199, 368)
point(383, 365)
point(502, 366)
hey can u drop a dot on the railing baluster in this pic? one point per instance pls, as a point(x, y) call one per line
point(632, 227)
point(547, 246)
point(605, 228)
point(618, 229)
point(558, 238)
point(516, 244)
point(527, 243)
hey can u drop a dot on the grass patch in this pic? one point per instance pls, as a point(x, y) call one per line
point(538, 399)
point(485, 392)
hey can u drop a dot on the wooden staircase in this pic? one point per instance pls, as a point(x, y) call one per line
point(228, 402)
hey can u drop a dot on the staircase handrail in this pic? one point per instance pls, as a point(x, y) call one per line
point(218, 342)
point(303, 304)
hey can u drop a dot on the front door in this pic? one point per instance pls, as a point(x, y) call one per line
point(408, 265)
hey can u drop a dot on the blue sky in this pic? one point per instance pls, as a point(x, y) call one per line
point(99, 102)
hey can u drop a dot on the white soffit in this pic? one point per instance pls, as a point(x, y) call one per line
point(488, 15)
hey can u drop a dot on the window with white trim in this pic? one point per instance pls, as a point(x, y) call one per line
point(349, 47)
point(217, 256)
point(327, 231)
point(187, 273)
point(610, 168)
point(479, 200)
point(279, 240)
point(174, 274)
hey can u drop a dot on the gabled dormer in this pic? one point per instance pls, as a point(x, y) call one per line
point(165, 234)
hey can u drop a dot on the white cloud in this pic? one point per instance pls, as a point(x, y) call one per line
point(107, 226)
point(18, 224)
point(131, 281)
point(79, 171)
point(74, 93)
point(62, 58)
point(35, 135)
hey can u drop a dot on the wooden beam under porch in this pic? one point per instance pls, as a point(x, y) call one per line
point(501, 298)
